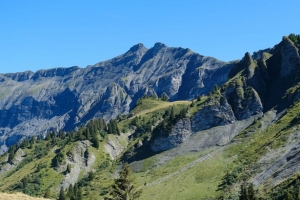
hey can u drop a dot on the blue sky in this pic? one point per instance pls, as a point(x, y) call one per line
point(47, 34)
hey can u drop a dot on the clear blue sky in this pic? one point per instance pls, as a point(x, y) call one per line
point(63, 33)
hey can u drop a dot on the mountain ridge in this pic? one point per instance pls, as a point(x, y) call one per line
point(69, 97)
point(243, 133)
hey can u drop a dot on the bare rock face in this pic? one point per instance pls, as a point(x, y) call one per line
point(64, 98)
point(80, 164)
point(215, 112)
point(179, 133)
point(290, 57)
point(19, 156)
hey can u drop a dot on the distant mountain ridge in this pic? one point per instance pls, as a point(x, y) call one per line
point(63, 98)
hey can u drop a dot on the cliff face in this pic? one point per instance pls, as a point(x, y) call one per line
point(179, 133)
point(63, 98)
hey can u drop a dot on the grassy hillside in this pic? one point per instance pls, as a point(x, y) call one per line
point(39, 162)
point(17, 196)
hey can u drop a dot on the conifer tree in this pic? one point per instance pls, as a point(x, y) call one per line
point(251, 192)
point(48, 136)
point(86, 156)
point(69, 168)
point(95, 140)
point(164, 97)
point(52, 134)
point(172, 114)
point(243, 193)
point(79, 194)
point(199, 98)
point(87, 134)
point(109, 128)
point(80, 134)
point(117, 128)
point(70, 192)
point(11, 156)
point(124, 187)
point(216, 89)
point(61, 194)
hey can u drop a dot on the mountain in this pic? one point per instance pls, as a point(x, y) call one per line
point(65, 98)
point(241, 138)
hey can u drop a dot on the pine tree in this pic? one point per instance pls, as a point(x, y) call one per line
point(251, 192)
point(11, 156)
point(48, 136)
point(91, 175)
point(172, 114)
point(135, 121)
point(69, 168)
point(32, 140)
point(117, 128)
point(79, 194)
point(164, 97)
point(95, 142)
point(87, 134)
point(199, 98)
point(86, 156)
point(109, 128)
point(243, 193)
point(80, 134)
point(216, 89)
point(70, 192)
point(124, 188)
point(75, 190)
point(61, 194)
point(52, 134)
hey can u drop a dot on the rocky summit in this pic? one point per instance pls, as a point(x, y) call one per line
point(65, 98)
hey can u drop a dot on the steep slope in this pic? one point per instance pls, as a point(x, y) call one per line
point(64, 98)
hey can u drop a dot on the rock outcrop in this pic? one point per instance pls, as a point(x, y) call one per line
point(181, 131)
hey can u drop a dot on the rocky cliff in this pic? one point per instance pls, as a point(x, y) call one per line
point(63, 98)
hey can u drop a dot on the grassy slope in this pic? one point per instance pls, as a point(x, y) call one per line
point(199, 181)
point(195, 182)
point(17, 196)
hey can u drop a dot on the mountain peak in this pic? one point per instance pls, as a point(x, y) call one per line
point(159, 45)
point(289, 56)
point(248, 58)
point(137, 47)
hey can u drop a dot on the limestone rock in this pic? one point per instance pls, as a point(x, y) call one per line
point(215, 112)
point(290, 57)
point(180, 132)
